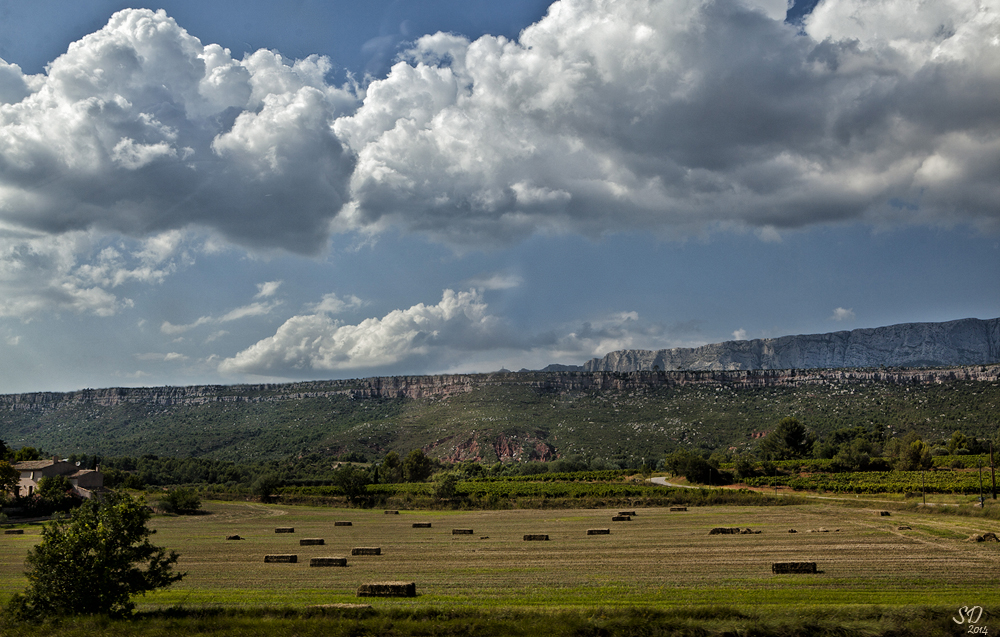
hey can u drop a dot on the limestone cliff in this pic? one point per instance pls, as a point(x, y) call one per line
point(962, 342)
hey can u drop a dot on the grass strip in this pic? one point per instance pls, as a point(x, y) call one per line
point(705, 621)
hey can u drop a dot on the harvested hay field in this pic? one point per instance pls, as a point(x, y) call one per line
point(658, 560)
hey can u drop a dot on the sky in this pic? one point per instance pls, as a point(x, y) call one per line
point(242, 192)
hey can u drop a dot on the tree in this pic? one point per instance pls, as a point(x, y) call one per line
point(417, 467)
point(55, 493)
point(26, 454)
point(265, 485)
point(181, 500)
point(789, 440)
point(695, 468)
point(854, 456)
point(54, 488)
point(353, 482)
point(391, 470)
point(95, 562)
point(958, 441)
point(9, 477)
point(744, 467)
point(915, 456)
point(446, 486)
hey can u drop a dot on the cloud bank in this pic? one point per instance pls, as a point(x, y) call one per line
point(682, 117)
point(676, 117)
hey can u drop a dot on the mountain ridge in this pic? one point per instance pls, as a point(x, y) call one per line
point(960, 342)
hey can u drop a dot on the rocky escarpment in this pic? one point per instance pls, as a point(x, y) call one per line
point(962, 342)
point(445, 386)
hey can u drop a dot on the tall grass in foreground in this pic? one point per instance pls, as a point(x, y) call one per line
point(638, 622)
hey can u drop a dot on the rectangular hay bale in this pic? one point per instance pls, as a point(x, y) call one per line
point(311, 541)
point(366, 550)
point(281, 559)
point(721, 530)
point(629, 513)
point(285, 529)
point(622, 518)
point(598, 531)
point(461, 531)
point(793, 567)
point(342, 524)
point(388, 589)
point(391, 512)
point(536, 537)
point(678, 508)
point(328, 561)
point(421, 525)
point(14, 532)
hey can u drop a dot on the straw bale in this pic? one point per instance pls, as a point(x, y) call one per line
point(388, 589)
point(626, 513)
point(367, 550)
point(678, 508)
point(391, 512)
point(621, 518)
point(233, 537)
point(328, 561)
point(285, 529)
point(342, 524)
point(286, 559)
point(14, 532)
point(793, 567)
point(421, 525)
point(461, 531)
point(598, 531)
point(535, 537)
point(311, 541)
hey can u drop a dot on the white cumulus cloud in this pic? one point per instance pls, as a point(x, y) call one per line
point(316, 342)
point(140, 128)
point(842, 314)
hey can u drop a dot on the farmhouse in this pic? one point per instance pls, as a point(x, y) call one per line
point(85, 481)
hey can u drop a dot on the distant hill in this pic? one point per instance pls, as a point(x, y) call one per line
point(962, 342)
point(621, 418)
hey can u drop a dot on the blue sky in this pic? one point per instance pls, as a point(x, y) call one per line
point(263, 192)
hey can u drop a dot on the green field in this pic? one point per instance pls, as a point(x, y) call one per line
point(660, 559)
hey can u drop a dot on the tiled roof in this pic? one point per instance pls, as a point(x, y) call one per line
point(31, 465)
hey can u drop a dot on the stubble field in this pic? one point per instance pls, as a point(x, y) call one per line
point(659, 559)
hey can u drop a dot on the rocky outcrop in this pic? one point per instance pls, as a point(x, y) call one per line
point(962, 342)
